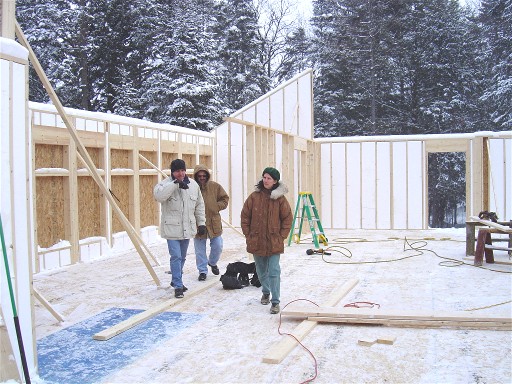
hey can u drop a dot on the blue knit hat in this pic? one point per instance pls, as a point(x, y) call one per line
point(274, 173)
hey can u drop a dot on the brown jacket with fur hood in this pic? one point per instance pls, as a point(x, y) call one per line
point(266, 220)
point(215, 200)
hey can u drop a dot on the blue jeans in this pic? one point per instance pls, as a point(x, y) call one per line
point(269, 274)
point(178, 252)
point(202, 260)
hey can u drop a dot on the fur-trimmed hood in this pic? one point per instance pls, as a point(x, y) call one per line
point(276, 193)
point(266, 220)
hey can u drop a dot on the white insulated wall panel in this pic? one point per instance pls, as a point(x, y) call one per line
point(500, 178)
point(507, 143)
point(291, 109)
point(399, 175)
point(368, 185)
point(339, 185)
point(22, 218)
point(263, 113)
point(16, 196)
point(325, 187)
point(305, 107)
point(222, 164)
point(276, 111)
point(415, 185)
point(238, 176)
point(48, 119)
point(353, 169)
point(249, 114)
point(383, 171)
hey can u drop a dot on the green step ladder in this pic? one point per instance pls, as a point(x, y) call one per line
point(311, 213)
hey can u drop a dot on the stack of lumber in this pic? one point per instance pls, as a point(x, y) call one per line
point(400, 318)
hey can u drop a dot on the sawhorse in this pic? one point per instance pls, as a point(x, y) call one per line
point(484, 241)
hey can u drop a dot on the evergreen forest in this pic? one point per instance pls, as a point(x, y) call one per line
point(381, 67)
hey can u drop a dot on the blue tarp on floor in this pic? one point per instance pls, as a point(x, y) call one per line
point(72, 356)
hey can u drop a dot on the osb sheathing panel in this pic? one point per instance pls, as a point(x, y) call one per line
point(190, 160)
point(167, 158)
point(95, 155)
point(49, 156)
point(50, 210)
point(206, 161)
point(148, 205)
point(120, 186)
point(151, 156)
point(119, 159)
point(89, 219)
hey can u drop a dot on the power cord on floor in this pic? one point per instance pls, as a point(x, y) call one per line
point(488, 306)
point(298, 341)
point(415, 245)
point(362, 304)
point(454, 262)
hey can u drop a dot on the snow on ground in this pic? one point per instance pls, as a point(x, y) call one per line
point(228, 343)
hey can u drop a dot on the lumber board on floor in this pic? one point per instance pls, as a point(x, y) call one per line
point(366, 342)
point(279, 351)
point(410, 323)
point(389, 340)
point(371, 313)
point(143, 316)
point(492, 224)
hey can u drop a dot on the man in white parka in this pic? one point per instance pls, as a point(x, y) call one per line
point(183, 216)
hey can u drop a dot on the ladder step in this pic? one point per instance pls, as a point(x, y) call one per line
point(309, 209)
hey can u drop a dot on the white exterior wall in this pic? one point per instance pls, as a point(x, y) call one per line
point(381, 182)
point(287, 110)
point(500, 151)
point(16, 197)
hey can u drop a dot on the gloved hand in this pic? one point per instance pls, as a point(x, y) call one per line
point(201, 230)
point(181, 184)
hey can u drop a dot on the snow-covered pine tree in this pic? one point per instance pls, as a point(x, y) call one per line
point(243, 78)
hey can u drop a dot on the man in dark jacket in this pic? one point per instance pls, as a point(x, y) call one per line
point(215, 200)
point(266, 221)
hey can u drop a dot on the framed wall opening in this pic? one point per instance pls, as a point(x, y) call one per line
point(446, 189)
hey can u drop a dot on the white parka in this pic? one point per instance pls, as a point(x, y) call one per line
point(182, 209)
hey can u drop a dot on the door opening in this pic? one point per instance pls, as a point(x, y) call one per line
point(447, 189)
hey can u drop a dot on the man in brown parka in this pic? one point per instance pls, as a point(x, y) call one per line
point(215, 200)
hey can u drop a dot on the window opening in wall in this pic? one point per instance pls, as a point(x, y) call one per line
point(447, 189)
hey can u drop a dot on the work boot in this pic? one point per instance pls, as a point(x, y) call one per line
point(178, 293)
point(265, 299)
point(202, 277)
point(274, 308)
point(215, 269)
point(185, 289)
